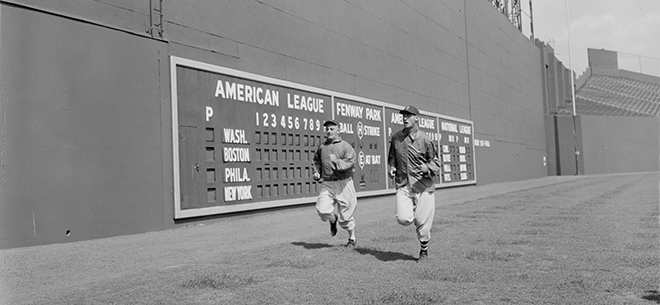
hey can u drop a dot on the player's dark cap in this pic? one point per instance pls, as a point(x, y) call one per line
point(410, 109)
point(329, 122)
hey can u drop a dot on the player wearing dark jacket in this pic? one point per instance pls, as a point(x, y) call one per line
point(413, 162)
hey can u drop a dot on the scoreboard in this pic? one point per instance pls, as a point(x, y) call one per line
point(361, 125)
point(243, 141)
point(456, 151)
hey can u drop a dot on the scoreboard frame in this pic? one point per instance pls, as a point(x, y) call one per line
point(182, 211)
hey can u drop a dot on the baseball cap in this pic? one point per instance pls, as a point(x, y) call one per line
point(329, 122)
point(410, 109)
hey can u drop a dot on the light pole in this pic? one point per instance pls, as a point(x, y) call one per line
point(573, 101)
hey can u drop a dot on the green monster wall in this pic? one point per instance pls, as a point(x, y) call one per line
point(86, 114)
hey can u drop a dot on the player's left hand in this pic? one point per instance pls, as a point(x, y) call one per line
point(392, 171)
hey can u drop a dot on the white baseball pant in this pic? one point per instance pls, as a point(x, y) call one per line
point(338, 197)
point(418, 208)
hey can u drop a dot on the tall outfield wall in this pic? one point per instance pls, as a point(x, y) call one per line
point(94, 101)
point(620, 144)
point(83, 120)
point(505, 97)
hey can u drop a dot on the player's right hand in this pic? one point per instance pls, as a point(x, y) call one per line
point(392, 172)
point(316, 176)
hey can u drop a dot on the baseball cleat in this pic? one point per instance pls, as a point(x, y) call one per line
point(333, 227)
point(423, 255)
point(350, 243)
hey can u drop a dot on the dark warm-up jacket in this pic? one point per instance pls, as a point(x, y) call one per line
point(407, 152)
point(331, 171)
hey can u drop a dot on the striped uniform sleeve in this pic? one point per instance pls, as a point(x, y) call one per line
point(415, 160)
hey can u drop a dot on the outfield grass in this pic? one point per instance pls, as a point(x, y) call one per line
point(588, 240)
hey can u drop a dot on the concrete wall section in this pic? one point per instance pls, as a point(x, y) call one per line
point(87, 147)
point(125, 15)
point(82, 149)
point(506, 97)
point(620, 144)
point(458, 58)
point(569, 139)
point(401, 53)
point(397, 53)
point(552, 85)
point(552, 148)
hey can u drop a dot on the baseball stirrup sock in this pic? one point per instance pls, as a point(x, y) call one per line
point(424, 245)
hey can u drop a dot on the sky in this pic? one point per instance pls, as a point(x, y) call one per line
point(629, 27)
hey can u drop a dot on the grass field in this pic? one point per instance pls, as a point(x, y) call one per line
point(587, 240)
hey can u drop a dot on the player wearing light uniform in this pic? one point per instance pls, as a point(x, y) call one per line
point(413, 163)
point(333, 164)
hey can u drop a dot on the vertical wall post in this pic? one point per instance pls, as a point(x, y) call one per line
point(155, 18)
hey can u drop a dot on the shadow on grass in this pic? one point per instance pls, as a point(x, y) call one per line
point(385, 256)
point(654, 295)
point(311, 246)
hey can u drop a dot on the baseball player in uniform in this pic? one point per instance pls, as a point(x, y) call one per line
point(413, 163)
point(334, 166)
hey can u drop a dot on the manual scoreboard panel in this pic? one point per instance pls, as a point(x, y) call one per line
point(456, 151)
point(243, 141)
